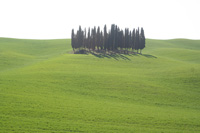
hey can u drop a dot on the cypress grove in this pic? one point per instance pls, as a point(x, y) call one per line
point(115, 40)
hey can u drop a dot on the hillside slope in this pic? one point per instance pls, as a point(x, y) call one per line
point(44, 88)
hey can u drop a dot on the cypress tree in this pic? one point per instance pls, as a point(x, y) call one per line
point(138, 36)
point(130, 40)
point(95, 38)
point(109, 41)
point(101, 40)
point(84, 39)
point(137, 40)
point(121, 42)
point(88, 38)
point(77, 40)
point(80, 38)
point(72, 39)
point(142, 40)
point(98, 38)
point(133, 39)
point(126, 38)
point(112, 37)
point(92, 39)
point(116, 37)
point(105, 37)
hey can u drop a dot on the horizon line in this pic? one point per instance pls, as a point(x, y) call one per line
point(70, 38)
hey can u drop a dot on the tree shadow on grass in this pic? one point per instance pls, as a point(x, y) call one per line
point(148, 56)
point(115, 56)
point(118, 56)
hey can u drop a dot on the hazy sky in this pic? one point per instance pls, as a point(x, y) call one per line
point(50, 19)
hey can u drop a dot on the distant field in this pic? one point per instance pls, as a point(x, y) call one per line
point(44, 88)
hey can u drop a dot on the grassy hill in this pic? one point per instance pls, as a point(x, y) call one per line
point(44, 88)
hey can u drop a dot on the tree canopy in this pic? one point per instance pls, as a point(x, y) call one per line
point(114, 40)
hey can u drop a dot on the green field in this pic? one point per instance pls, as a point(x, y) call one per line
point(45, 88)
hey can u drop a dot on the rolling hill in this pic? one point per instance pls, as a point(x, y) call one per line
point(45, 88)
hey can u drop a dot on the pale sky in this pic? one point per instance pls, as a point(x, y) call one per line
point(54, 19)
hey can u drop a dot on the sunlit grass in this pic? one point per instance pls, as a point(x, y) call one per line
point(44, 88)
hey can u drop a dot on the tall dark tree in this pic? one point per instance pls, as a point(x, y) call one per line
point(72, 37)
point(98, 38)
point(142, 40)
point(109, 41)
point(133, 40)
point(121, 40)
point(112, 37)
point(126, 39)
point(84, 39)
point(95, 37)
point(116, 37)
point(89, 40)
point(101, 40)
point(137, 40)
point(80, 36)
point(105, 38)
point(130, 40)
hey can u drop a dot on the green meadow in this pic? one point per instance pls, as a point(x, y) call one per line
point(46, 88)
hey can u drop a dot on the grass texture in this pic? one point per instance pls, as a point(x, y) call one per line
point(45, 88)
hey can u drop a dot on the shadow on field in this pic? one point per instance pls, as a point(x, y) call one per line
point(149, 56)
point(118, 56)
point(114, 56)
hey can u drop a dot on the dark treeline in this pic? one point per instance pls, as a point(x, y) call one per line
point(114, 40)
